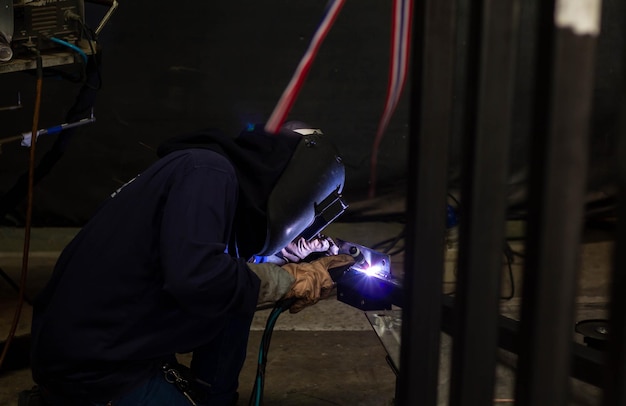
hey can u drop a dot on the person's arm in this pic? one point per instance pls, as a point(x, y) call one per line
point(276, 282)
point(305, 283)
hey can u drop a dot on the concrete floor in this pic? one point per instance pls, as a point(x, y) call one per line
point(328, 354)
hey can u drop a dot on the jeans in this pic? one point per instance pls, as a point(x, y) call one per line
point(156, 391)
point(217, 363)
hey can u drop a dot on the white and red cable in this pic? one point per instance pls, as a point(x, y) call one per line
point(398, 67)
point(399, 62)
point(291, 91)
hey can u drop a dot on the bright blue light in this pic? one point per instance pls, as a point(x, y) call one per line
point(372, 270)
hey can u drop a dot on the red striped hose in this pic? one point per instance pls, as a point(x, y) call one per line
point(293, 88)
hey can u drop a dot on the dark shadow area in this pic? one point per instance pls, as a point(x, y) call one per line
point(167, 70)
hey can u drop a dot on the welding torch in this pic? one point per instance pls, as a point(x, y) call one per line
point(368, 284)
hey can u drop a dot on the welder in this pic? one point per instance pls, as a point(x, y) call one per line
point(177, 261)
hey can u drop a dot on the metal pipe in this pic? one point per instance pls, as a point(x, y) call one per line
point(107, 16)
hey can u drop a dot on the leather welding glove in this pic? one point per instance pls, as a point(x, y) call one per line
point(312, 280)
point(275, 282)
point(298, 250)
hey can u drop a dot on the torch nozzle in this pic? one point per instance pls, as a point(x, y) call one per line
point(359, 258)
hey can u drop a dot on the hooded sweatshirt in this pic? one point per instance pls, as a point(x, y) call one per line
point(155, 271)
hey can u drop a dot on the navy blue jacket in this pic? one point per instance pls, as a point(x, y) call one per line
point(149, 275)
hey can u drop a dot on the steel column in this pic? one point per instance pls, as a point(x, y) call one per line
point(488, 111)
point(430, 124)
point(558, 162)
point(615, 381)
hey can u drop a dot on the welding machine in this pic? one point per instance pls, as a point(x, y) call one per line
point(35, 20)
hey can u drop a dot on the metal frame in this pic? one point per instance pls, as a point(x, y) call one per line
point(431, 117)
point(563, 83)
point(562, 110)
point(615, 378)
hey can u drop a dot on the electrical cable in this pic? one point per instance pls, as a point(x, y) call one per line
point(509, 254)
point(14, 285)
point(83, 105)
point(396, 252)
point(455, 200)
point(29, 211)
point(390, 243)
point(83, 79)
point(398, 67)
point(256, 398)
point(287, 99)
point(399, 61)
point(71, 46)
point(91, 38)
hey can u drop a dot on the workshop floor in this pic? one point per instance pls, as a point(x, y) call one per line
point(328, 354)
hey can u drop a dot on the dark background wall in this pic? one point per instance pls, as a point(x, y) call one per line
point(173, 67)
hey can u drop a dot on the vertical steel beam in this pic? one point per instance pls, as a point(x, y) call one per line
point(615, 381)
point(489, 99)
point(558, 161)
point(430, 123)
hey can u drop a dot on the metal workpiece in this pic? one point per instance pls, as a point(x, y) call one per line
point(368, 284)
point(367, 260)
point(369, 291)
point(388, 327)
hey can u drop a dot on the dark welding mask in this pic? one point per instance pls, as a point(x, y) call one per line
point(307, 196)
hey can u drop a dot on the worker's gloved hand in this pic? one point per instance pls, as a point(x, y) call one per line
point(298, 250)
point(312, 280)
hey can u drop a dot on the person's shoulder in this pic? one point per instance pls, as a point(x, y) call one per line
point(206, 158)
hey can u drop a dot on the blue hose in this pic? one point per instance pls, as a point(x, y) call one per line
point(71, 46)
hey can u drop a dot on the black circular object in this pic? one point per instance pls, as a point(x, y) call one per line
point(595, 331)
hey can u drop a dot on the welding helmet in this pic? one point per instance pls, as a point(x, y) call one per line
point(307, 196)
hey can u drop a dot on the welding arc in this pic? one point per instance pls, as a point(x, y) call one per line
point(29, 211)
point(293, 88)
